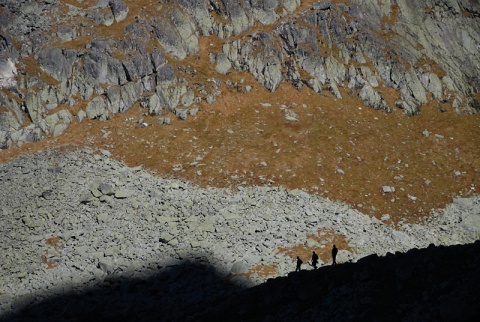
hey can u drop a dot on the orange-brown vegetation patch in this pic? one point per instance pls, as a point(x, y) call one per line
point(236, 134)
point(55, 242)
point(33, 70)
point(326, 238)
point(48, 263)
point(262, 271)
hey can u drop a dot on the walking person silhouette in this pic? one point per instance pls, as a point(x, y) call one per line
point(314, 260)
point(334, 255)
point(299, 264)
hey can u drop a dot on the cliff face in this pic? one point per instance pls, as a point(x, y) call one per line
point(64, 61)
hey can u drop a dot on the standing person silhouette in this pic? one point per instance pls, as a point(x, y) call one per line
point(299, 264)
point(314, 260)
point(334, 255)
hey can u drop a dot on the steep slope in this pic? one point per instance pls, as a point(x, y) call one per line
point(83, 236)
point(216, 65)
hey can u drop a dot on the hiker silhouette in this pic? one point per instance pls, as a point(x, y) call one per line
point(314, 260)
point(299, 264)
point(334, 255)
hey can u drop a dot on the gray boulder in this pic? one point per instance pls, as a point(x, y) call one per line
point(158, 59)
point(154, 105)
point(57, 62)
point(314, 66)
point(409, 107)
point(58, 129)
point(199, 10)
point(336, 71)
point(9, 120)
point(137, 67)
point(371, 98)
point(97, 109)
point(223, 64)
point(113, 95)
point(177, 34)
point(433, 84)
point(119, 9)
point(33, 106)
point(262, 56)
point(130, 94)
point(103, 68)
point(322, 5)
point(8, 71)
point(106, 189)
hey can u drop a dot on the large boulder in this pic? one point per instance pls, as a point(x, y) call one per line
point(57, 62)
point(177, 33)
point(97, 109)
point(103, 68)
point(8, 72)
point(371, 98)
point(119, 9)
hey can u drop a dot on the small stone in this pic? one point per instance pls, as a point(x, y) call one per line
point(96, 193)
point(122, 194)
point(106, 189)
point(237, 268)
point(388, 189)
point(103, 217)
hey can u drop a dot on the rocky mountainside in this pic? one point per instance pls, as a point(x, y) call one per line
point(84, 237)
point(170, 159)
point(61, 60)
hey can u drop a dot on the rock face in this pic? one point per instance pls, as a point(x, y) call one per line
point(426, 50)
point(72, 223)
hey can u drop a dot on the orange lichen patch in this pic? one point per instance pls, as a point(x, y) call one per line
point(50, 264)
point(55, 242)
point(324, 237)
point(261, 271)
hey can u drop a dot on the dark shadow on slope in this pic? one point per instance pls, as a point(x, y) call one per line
point(173, 294)
point(432, 284)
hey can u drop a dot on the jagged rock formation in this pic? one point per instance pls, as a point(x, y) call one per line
point(54, 55)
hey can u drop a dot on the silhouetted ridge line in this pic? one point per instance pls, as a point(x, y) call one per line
point(436, 283)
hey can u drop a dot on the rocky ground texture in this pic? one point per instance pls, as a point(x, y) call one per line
point(95, 59)
point(80, 227)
